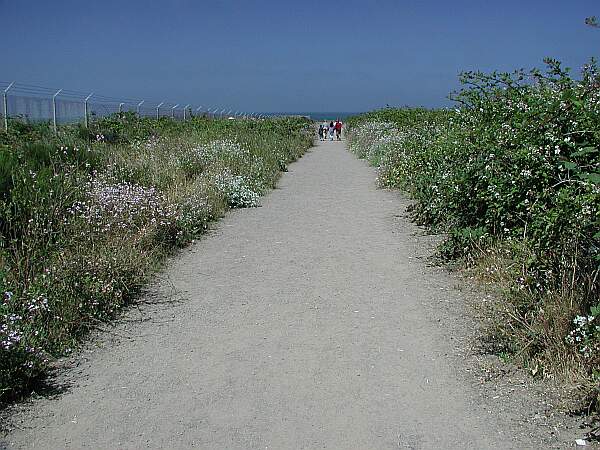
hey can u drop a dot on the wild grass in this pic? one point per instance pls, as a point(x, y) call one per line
point(87, 216)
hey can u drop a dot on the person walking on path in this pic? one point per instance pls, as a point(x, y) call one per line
point(338, 130)
point(331, 130)
point(321, 130)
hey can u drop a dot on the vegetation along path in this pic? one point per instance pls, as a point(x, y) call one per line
point(299, 324)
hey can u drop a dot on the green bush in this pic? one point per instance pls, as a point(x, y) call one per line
point(516, 167)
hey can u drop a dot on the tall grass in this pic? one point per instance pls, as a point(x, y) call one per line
point(512, 175)
point(88, 215)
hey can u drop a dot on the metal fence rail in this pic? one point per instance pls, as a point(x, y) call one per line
point(30, 103)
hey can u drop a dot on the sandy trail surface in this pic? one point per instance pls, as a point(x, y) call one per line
point(300, 324)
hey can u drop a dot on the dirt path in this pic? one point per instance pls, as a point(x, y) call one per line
point(304, 324)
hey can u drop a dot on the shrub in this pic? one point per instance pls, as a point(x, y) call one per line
point(516, 167)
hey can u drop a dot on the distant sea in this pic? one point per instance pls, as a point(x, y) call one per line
point(318, 116)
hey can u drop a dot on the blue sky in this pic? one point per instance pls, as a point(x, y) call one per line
point(301, 55)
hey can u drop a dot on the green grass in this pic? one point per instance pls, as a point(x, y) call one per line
point(87, 216)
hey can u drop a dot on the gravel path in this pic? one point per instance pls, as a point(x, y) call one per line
point(303, 324)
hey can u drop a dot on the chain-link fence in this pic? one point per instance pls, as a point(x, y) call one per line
point(29, 103)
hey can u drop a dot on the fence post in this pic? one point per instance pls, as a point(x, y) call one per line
point(54, 111)
point(158, 110)
point(5, 102)
point(85, 110)
point(138, 107)
point(173, 111)
point(184, 109)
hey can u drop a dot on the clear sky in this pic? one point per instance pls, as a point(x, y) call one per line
point(300, 55)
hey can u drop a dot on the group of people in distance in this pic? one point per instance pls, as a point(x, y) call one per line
point(333, 130)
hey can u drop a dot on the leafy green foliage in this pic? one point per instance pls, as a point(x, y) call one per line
point(515, 167)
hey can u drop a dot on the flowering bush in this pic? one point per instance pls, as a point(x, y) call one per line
point(236, 190)
point(197, 206)
point(222, 150)
point(110, 205)
point(513, 170)
point(585, 335)
point(20, 357)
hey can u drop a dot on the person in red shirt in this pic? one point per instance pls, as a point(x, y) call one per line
point(338, 129)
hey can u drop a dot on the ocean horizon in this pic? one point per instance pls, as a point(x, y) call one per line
point(327, 115)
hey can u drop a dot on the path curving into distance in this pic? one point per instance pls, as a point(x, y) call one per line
point(301, 324)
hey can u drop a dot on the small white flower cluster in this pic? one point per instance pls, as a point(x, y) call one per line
point(123, 205)
point(150, 144)
point(585, 336)
point(369, 139)
point(37, 303)
point(13, 323)
point(9, 331)
point(222, 150)
point(8, 337)
point(236, 190)
point(195, 209)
